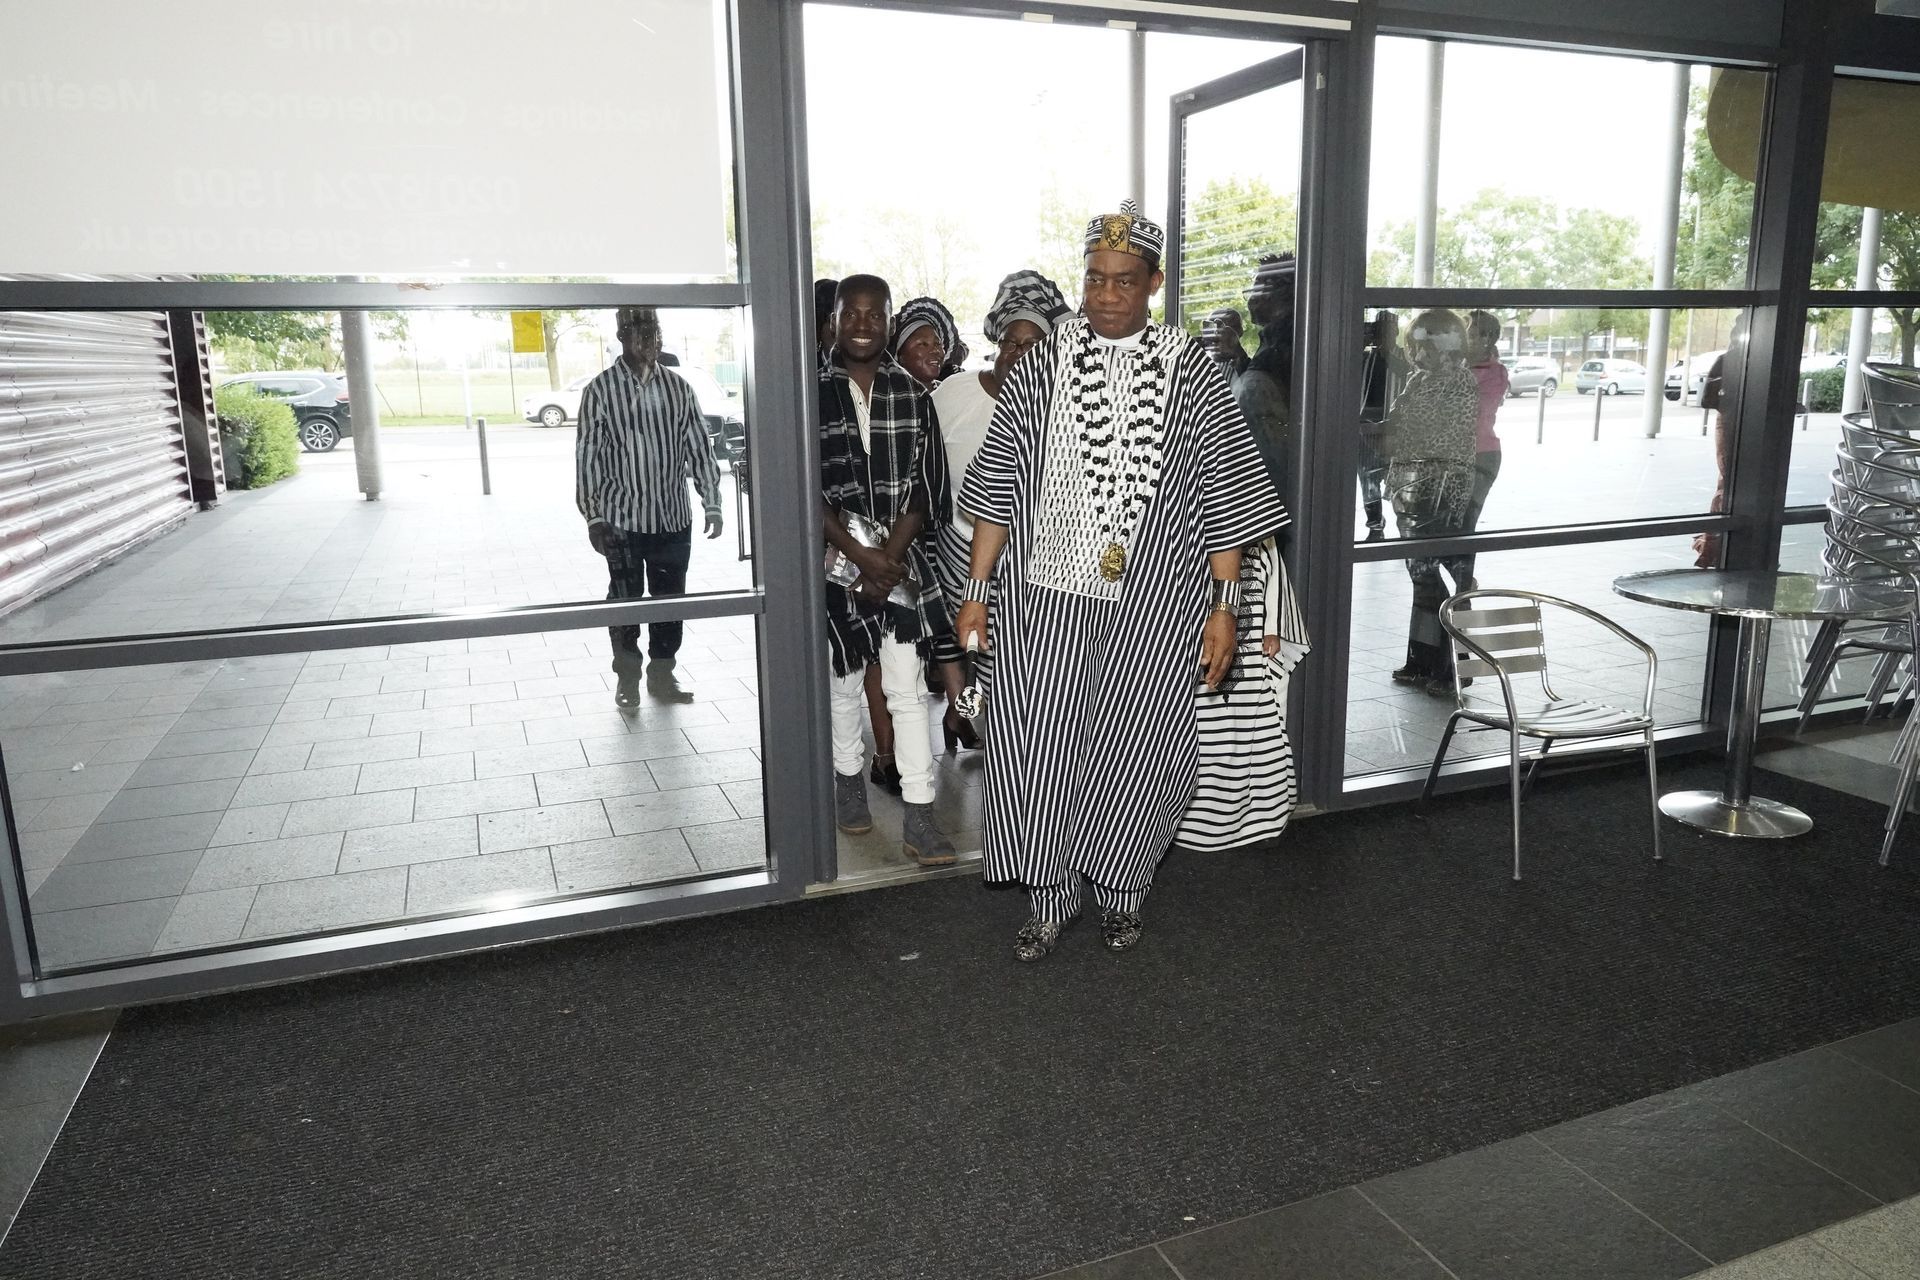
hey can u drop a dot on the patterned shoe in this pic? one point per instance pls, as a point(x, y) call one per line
point(922, 840)
point(1035, 939)
point(850, 810)
point(1120, 929)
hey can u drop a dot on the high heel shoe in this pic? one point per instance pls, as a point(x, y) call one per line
point(958, 732)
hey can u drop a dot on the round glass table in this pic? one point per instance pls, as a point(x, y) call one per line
point(1757, 597)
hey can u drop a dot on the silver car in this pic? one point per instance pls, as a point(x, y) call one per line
point(1535, 374)
point(1611, 377)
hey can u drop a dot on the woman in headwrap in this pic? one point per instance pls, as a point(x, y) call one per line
point(1025, 309)
point(926, 341)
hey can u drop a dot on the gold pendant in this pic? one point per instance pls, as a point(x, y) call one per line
point(1113, 562)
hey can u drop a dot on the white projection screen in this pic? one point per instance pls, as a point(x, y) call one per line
point(364, 137)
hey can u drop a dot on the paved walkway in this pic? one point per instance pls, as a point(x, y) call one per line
point(193, 805)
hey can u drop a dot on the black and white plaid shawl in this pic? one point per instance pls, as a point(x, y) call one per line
point(907, 467)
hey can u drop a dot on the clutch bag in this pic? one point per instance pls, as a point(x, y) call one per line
point(873, 534)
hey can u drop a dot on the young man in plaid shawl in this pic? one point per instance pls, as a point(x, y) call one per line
point(882, 460)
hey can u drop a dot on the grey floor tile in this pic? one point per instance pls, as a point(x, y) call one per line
point(732, 736)
point(46, 784)
point(62, 812)
point(178, 769)
point(128, 727)
point(1885, 1243)
point(33, 878)
point(636, 746)
point(728, 846)
point(209, 742)
point(548, 825)
point(285, 759)
point(621, 861)
point(518, 709)
point(265, 862)
point(748, 798)
point(96, 884)
point(454, 799)
point(1517, 1211)
point(312, 783)
point(488, 883)
point(1892, 1051)
point(1141, 1264)
point(376, 704)
point(1795, 1260)
point(422, 771)
point(43, 850)
point(479, 737)
point(539, 758)
point(397, 846)
point(1719, 1185)
point(207, 919)
point(227, 718)
point(329, 902)
point(273, 694)
point(596, 783)
point(687, 807)
point(250, 825)
point(145, 836)
point(27, 1134)
point(172, 800)
point(317, 731)
point(348, 813)
point(47, 1060)
point(1338, 1236)
point(577, 726)
point(427, 720)
point(1824, 1105)
point(91, 934)
point(391, 746)
point(701, 770)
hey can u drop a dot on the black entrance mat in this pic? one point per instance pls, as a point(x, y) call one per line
point(867, 1086)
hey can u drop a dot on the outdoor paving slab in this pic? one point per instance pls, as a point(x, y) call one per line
point(98, 884)
point(394, 746)
point(574, 726)
point(43, 850)
point(1796, 1260)
point(548, 825)
point(374, 704)
point(396, 846)
point(423, 721)
point(145, 836)
point(171, 800)
point(487, 883)
point(714, 767)
point(287, 759)
point(687, 807)
point(64, 939)
point(63, 812)
point(124, 727)
point(244, 696)
point(207, 919)
point(243, 717)
point(470, 695)
point(621, 861)
point(266, 862)
point(178, 769)
point(523, 709)
point(348, 813)
point(455, 799)
point(732, 736)
point(312, 783)
point(596, 783)
point(328, 902)
point(422, 771)
point(1885, 1243)
point(45, 784)
point(249, 824)
point(209, 742)
point(302, 710)
point(483, 737)
point(728, 846)
point(540, 758)
point(317, 731)
point(1338, 1236)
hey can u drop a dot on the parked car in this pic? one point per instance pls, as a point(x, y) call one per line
point(726, 432)
point(321, 412)
point(1531, 373)
point(1611, 377)
point(1695, 379)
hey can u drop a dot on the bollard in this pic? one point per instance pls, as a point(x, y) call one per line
point(1806, 401)
point(1706, 414)
point(1540, 423)
point(486, 473)
point(1599, 397)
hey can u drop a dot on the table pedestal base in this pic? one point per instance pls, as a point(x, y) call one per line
point(1756, 819)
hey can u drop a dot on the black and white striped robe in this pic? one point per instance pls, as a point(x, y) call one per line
point(1092, 755)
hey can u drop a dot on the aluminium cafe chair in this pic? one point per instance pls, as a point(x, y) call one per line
point(1503, 636)
point(1893, 395)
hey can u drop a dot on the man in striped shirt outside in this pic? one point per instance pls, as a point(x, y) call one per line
point(642, 437)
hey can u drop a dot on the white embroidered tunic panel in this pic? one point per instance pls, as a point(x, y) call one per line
point(1066, 554)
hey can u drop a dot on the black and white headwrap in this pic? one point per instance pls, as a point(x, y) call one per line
point(1025, 295)
point(921, 312)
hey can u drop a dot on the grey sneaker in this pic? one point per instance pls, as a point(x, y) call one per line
point(850, 804)
point(923, 841)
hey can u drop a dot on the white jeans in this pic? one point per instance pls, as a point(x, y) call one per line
point(904, 680)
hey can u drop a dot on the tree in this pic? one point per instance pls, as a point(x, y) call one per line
point(252, 340)
point(1231, 225)
point(1061, 239)
point(921, 256)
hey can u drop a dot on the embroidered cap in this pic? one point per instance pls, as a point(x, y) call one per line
point(1127, 232)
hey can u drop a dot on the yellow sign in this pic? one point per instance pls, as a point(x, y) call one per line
point(527, 335)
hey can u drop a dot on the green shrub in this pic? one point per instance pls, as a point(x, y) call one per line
point(260, 432)
point(1828, 386)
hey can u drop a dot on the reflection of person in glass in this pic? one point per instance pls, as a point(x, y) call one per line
point(1429, 443)
point(1720, 392)
point(882, 467)
point(642, 437)
point(1118, 477)
point(1483, 357)
point(1223, 334)
point(1265, 388)
point(1384, 370)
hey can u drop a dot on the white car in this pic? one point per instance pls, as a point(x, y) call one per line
point(557, 408)
point(1610, 377)
point(1695, 377)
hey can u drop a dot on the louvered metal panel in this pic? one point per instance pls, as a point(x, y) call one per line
point(92, 460)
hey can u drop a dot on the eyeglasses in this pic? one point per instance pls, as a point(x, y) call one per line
point(1018, 346)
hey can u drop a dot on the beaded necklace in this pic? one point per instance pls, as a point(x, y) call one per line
point(1120, 453)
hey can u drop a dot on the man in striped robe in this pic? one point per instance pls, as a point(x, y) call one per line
point(1111, 498)
point(642, 437)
